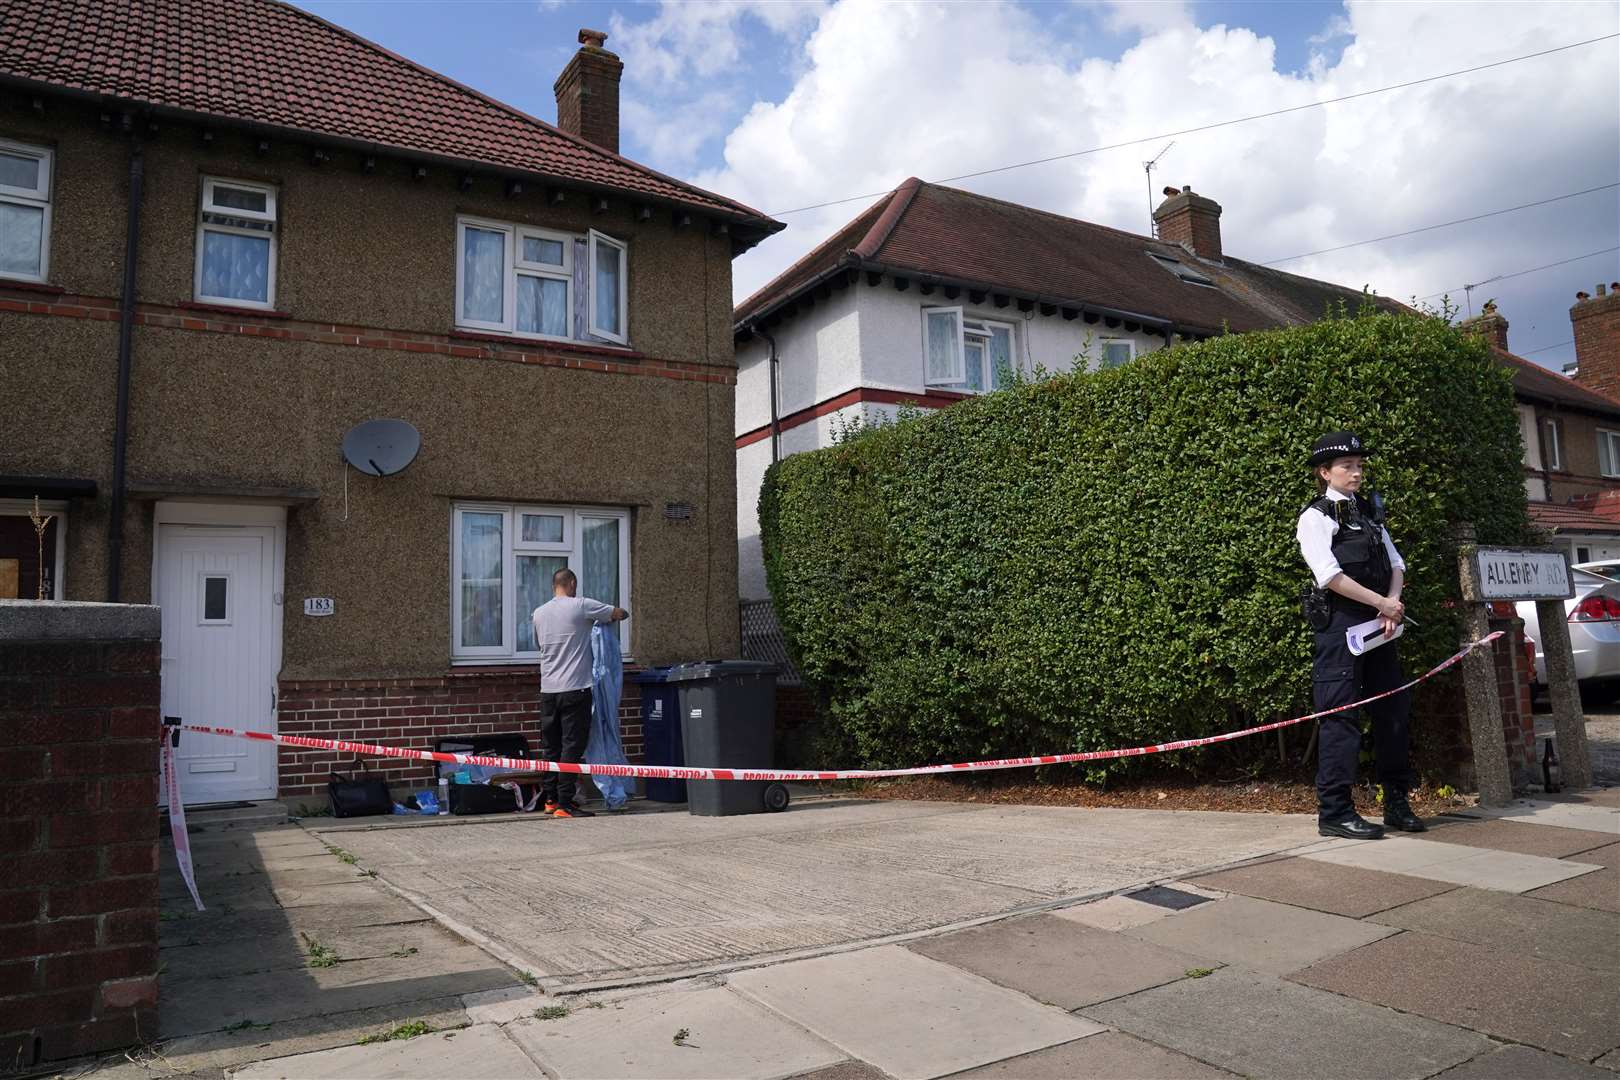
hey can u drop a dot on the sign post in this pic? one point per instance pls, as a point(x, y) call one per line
point(1542, 575)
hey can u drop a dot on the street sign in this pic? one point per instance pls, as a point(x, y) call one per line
point(1522, 574)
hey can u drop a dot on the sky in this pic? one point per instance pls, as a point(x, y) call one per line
point(785, 104)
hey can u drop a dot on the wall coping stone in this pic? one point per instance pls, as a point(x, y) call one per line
point(75, 620)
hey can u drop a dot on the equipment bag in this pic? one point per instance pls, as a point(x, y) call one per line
point(360, 794)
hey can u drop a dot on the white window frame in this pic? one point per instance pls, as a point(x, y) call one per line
point(1555, 450)
point(1610, 440)
point(38, 197)
point(1102, 357)
point(959, 372)
point(57, 508)
point(268, 214)
point(622, 336)
point(506, 652)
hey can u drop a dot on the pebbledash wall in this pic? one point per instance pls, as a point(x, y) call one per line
point(249, 408)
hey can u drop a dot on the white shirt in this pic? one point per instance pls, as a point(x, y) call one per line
point(562, 627)
point(1315, 534)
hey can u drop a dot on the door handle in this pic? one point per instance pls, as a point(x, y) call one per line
point(272, 701)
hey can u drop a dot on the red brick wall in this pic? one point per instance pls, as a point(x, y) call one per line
point(588, 97)
point(415, 713)
point(78, 847)
point(1596, 322)
point(1441, 747)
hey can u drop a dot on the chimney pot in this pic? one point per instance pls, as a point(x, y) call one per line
point(1169, 191)
point(1580, 295)
point(588, 92)
point(1600, 289)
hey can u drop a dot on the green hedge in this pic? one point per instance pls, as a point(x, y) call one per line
point(1108, 559)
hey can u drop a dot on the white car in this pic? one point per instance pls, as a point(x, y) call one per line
point(1593, 614)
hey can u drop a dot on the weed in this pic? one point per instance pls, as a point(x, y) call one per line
point(400, 954)
point(1446, 791)
point(1199, 973)
point(306, 810)
point(344, 856)
point(320, 956)
point(551, 1012)
point(527, 979)
point(595, 1005)
point(368, 873)
point(681, 1036)
point(404, 1031)
point(247, 1025)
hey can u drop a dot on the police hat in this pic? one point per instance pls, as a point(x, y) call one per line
point(1337, 444)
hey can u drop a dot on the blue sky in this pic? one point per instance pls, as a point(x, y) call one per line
point(786, 104)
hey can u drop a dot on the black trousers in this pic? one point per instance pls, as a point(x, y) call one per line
point(1340, 678)
point(565, 729)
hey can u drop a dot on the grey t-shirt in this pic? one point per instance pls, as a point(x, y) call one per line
point(562, 626)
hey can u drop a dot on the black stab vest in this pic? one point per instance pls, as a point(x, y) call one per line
point(1358, 547)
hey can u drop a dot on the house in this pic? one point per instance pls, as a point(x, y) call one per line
point(932, 294)
point(224, 244)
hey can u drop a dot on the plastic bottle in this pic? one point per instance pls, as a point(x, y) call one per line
point(444, 795)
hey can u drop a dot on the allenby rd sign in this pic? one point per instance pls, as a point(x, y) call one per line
point(1520, 574)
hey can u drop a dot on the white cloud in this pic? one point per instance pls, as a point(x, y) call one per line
point(892, 90)
point(700, 38)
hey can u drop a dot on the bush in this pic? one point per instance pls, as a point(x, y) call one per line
point(1108, 559)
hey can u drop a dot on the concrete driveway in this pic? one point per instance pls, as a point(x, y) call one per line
point(611, 901)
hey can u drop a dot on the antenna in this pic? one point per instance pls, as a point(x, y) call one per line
point(1148, 167)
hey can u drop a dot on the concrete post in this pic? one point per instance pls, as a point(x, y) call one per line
point(1479, 687)
point(1568, 721)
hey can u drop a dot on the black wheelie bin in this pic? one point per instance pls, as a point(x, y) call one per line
point(728, 720)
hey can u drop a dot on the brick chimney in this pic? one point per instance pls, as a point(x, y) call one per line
point(1489, 325)
point(588, 92)
point(1192, 221)
point(1596, 322)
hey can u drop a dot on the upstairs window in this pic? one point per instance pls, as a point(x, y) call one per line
point(236, 244)
point(529, 282)
point(1608, 452)
point(966, 354)
point(25, 211)
point(1553, 444)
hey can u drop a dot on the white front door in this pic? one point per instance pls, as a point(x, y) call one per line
point(215, 585)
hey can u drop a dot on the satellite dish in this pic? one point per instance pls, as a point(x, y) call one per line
point(381, 447)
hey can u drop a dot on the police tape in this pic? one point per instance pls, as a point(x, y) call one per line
point(689, 772)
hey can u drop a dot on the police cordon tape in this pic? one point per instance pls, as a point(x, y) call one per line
point(672, 772)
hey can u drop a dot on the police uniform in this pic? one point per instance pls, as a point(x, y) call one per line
point(1344, 533)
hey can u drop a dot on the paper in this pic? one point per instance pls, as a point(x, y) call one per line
point(1364, 637)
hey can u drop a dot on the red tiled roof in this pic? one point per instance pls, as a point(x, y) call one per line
point(1531, 380)
point(927, 230)
point(1561, 517)
point(268, 63)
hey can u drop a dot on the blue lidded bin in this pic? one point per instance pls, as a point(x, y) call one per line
point(661, 732)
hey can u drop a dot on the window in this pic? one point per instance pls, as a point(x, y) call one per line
point(1553, 444)
point(30, 564)
point(608, 287)
point(966, 354)
point(502, 559)
point(236, 244)
point(25, 211)
point(1182, 270)
point(215, 597)
point(513, 279)
point(1608, 452)
point(1117, 351)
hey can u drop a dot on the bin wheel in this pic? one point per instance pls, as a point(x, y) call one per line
point(776, 797)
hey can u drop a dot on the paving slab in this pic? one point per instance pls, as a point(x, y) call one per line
point(1110, 1054)
point(698, 895)
point(1057, 961)
point(1600, 890)
point(1504, 834)
point(1582, 814)
point(1517, 924)
point(425, 939)
point(187, 926)
point(1264, 1027)
point(483, 1050)
point(944, 1020)
point(1611, 1060)
point(1569, 1010)
point(1259, 935)
point(1604, 856)
point(1523, 1063)
point(1323, 886)
point(726, 1036)
point(1113, 913)
point(848, 1070)
point(1458, 864)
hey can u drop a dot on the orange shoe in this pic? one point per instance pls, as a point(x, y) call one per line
point(571, 812)
point(551, 807)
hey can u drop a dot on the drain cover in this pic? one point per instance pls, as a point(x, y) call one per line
point(1162, 896)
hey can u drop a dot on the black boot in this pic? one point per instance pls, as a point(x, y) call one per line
point(1353, 827)
point(1398, 814)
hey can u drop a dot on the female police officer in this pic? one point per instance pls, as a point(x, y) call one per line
point(1341, 535)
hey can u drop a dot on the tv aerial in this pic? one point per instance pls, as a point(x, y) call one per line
point(1148, 167)
point(379, 448)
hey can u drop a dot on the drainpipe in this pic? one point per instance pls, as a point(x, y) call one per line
point(126, 323)
point(774, 370)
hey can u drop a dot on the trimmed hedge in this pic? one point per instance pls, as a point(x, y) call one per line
point(1108, 559)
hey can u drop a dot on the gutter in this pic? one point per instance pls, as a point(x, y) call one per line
point(126, 322)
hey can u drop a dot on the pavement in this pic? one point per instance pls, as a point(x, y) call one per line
point(848, 940)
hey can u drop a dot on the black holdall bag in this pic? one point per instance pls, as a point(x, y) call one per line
point(359, 794)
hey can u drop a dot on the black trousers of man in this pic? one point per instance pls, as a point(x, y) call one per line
point(1341, 677)
point(565, 729)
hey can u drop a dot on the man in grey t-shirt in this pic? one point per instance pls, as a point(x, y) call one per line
point(562, 627)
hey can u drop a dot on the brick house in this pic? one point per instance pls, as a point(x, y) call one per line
point(226, 242)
